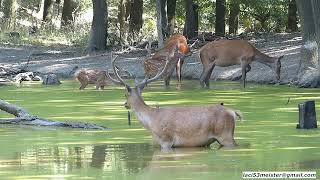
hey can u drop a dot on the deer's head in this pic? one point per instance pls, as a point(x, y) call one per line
point(133, 94)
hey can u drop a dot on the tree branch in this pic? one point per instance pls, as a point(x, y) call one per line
point(24, 118)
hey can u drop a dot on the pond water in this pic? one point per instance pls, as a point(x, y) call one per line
point(268, 139)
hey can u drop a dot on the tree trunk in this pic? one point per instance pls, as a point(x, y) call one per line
point(191, 25)
point(292, 17)
point(220, 17)
point(316, 18)
point(308, 31)
point(123, 14)
point(164, 20)
point(308, 73)
point(234, 16)
point(67, 12)
point(9, 8)
point(159, 24)
point(98, 36)
point(171, 15)
point(135, 21)
point(47, 10)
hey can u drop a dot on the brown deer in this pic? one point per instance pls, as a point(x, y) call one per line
point(186, 126)
point(233, 52)
point(158, 60)
point(94, 76)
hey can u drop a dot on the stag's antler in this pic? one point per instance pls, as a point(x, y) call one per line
point(142, 84)
point(156, 77)
point(119, 80)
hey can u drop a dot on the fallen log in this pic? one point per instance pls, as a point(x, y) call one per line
point(23, 117)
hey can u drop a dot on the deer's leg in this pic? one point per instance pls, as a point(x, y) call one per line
point(227, 140)
point(178, 70)
point(83, 85)
point(244, 73)
point(209, 75)
point(248, 68)
point(167, 81)
point(229, 143)
point(168, 74)
point(204, 74)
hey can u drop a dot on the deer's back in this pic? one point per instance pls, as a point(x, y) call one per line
point(154, 64)
point(193, 125)
point(91, 75)
point(194, 118)
point(227, 52)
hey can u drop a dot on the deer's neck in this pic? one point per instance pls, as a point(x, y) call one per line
point(143, 112)
point(263, 58)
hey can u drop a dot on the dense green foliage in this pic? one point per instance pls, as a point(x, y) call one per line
point(258, 15)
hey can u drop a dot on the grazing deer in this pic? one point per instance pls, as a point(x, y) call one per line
point(158, 60)
point(186, 126)
point(232, 52)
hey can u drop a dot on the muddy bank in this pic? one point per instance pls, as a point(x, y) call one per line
point(62, 60)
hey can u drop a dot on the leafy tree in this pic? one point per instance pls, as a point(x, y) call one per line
point(9, 8)
point(171, 16)
point(191, 25)
point(270, 14)
point(160, 5)
point(309, 12)
point(69, 7)
point(220, 17)
point(292, 16)
point(98, 33)
point(47, 10)
point(234, 16)
point(135, 18)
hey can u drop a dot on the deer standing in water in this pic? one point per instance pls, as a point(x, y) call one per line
point(96, 77)
point(92, 76)
point(158, 60)
point(233, 52)
point(185, 126)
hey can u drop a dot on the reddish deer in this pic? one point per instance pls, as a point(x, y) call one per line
point(157, 61)
point(234, 52)
point(185, 126)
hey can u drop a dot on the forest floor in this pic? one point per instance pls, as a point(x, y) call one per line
point(62, 59)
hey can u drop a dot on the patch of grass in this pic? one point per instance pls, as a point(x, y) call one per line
point(48, 35)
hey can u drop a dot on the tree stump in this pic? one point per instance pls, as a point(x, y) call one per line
point(307, 115)
point(51, 79)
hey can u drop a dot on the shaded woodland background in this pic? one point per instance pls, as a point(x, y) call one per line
point(96, 25)
point(126, 22)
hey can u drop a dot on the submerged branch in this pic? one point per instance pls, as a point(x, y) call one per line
point(24, 118)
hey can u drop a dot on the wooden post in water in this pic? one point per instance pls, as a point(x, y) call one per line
point(307, 115)
point(129, 118)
